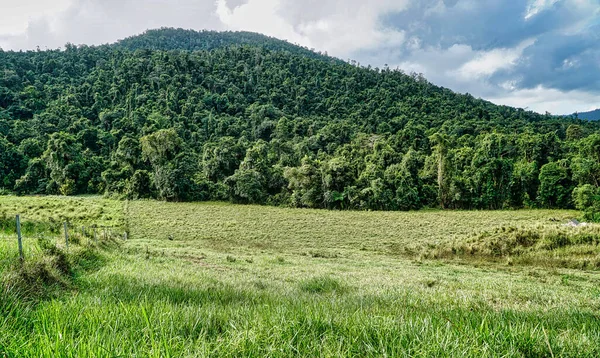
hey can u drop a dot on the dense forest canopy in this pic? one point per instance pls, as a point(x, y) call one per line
point(167, 39)
point(184, 115)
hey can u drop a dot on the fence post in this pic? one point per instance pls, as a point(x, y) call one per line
point(20, 239)
point(95, 237)
point(66, 234)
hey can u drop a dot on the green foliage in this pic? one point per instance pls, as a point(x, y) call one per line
point(555, 185)
point(12, 163)
point(182, 115)
point(189, 40)
point(139, 185)
point(246, 186)
point(587, 199)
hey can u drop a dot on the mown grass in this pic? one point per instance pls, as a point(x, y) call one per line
point(225, 280)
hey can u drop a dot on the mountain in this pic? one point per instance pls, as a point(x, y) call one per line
point(591, 115)
point(184, 115)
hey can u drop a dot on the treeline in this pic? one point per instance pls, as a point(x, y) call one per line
point(252, 124)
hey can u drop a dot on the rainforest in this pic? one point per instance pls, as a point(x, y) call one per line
point(180, 115)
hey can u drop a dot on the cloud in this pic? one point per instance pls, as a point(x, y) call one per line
point(555, 101)
point(103, 21)
point(565, 62)
point(486, 63)
point(537, 6)
point(16, 17)
point(507, 50)
point(337, 26)
point(258, 16)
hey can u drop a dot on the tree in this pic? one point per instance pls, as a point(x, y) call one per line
point(305, 184)
point(440, 151)
point(12, 163)
point(587, 199)
point(139, 186)
point(35, 179)
point(64, 160)
point(246, 186)
point(555, 185)
point(160, 149)
point(337, 175)
point(220, 159)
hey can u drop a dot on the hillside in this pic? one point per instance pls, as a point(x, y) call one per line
point(251, 119)
point(591, 115)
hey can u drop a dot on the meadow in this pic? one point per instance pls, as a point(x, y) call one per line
point(215, 279)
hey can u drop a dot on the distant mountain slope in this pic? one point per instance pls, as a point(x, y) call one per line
point(167, 39)
point(591, 115)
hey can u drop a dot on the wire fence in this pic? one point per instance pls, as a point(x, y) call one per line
point(22, 240)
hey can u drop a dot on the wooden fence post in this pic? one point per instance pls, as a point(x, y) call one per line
point(20, 239)
point(95, 237)
point(66, 234)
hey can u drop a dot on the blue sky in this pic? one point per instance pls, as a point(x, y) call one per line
point(538, 54)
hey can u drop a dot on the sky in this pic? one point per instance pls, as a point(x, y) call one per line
point(543, 55)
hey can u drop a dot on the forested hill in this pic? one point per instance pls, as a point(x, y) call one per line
point(189, 40)
point(255, 124)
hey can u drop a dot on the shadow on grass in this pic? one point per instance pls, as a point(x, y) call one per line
point(123, 288)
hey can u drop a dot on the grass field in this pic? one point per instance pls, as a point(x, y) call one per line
point(212, 279)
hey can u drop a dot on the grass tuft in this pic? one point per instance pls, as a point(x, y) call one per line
point(322, 284)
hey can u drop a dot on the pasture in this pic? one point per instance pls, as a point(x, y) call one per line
point(214, 279)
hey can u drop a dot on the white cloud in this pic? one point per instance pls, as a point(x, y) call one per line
point(15, 16)
point(259, 16)
point(103, 21)
point(465, 70)
point(336, 26)
point(537, 6)
point(541, 99)
point(486, 63)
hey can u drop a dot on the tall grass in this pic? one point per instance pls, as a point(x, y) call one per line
point(128, 319)
point(540, 245)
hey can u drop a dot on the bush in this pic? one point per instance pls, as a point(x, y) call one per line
point(587, 199)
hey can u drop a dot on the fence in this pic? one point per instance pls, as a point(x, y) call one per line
point(72, 233)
